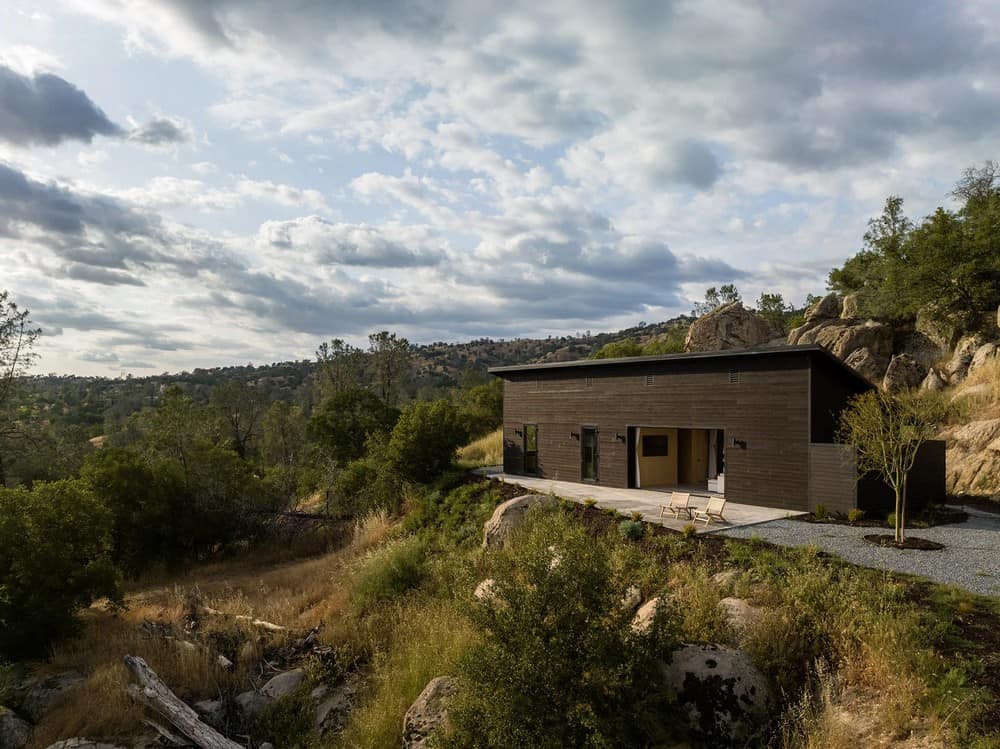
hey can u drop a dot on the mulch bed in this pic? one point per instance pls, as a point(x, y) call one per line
point(887, 540)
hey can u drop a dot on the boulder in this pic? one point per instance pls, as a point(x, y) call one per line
point(643, 618)
point(510, 515)
point(43, 692)
point(283, 684)
point(904, 372)
point(933, 381)
point(961, 359)
point(723, 696)
point(14, 731)
point(842, 338)
point(973, 457)
point(850, 308)
point(428, 713)
point(212, 712)
point(334, 704)
point(827, 308)
point(485, 592)
point(921, 348)
point(866, 364)
point(731, 326)
point(632, 598)
point(726, 578)
point(740, 614)
point(944, 335)
point(985, 353)
point(251, 704)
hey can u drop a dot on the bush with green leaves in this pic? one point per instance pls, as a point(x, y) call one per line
point(424, 441)
point(390, 572)
point(559, 664)
point(55, 559)
point(344, 423)
point(631, 530)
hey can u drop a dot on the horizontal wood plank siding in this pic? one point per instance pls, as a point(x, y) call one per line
point(768, 408)
point(833, 477)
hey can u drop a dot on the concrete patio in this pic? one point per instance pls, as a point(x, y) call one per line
point(648, 502)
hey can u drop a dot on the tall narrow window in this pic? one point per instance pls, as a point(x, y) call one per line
point(531, 448)
point(588, 453)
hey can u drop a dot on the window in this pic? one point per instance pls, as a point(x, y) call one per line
point(531, 448)
point(655, 445)
point(734, 377)
point(649, 379)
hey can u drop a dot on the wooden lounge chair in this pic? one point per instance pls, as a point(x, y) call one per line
point(679, 502)
point(712, 511)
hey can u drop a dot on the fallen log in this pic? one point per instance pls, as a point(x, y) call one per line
point(152, 692)
point(259, 623)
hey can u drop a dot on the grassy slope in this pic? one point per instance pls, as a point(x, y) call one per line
point(898, 658)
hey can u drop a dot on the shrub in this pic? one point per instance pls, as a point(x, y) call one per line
point(560, 664)
point(590, 502)
point(890, 519)
point(343, 423)
point(821, 513)
point(389, 572)
point(287, 722)
point(636, 516)
point(689, 530)
point(631, 530)
point(855, 514)
point(55, 558)
point(424, 440)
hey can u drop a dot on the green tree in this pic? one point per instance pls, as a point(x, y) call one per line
point(423, 442)
point(341, 366)
point(55, 559)
point(772, 308)
point(343, 424)
point(888, 430)
point(17, 339)
point(283, 435)
point(715, 298)
point(618, 349)
point(559, 664)
point(482, 407)
point(390, 357)
point(241, 407)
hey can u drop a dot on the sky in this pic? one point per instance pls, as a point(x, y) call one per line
point(194, 183)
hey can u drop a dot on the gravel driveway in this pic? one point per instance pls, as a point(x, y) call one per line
point(970, 559)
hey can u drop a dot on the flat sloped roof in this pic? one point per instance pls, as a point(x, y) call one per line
point(697, 355)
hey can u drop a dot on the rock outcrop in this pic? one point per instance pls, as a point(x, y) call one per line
point(723, 696)
point(428, 713)
point(827, 308)
point(508, 516)
point(934, 381)
point(283, 684)
point(41, 694)
point(973, 457)
point(850, 308)
point(740, 614)
point(904, 372)
point(984, 354)
point(961, 359)
point(14, 731)
point(643, 619)
point(731, 326)
point(866, 364)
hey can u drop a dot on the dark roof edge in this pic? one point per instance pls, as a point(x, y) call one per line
point(728, 354)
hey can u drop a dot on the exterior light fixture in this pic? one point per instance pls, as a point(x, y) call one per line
point(619, 436)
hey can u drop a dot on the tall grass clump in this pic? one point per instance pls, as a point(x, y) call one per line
point(426, 639)
point(485, 451)
point(389, 572)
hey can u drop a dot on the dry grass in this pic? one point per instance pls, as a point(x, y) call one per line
point(298, 594)
point(485, 451)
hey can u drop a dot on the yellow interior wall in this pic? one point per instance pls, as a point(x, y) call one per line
point(693, 456)
point(662, 470)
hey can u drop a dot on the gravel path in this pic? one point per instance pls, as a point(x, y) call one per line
point(970, 559)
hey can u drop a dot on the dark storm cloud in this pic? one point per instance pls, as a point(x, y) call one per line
point(98, 232)
point(44, 109)
point(159, 132)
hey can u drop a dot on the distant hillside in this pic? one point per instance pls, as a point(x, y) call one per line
point(94, 401)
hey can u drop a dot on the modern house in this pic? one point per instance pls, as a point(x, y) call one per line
point(755, 425)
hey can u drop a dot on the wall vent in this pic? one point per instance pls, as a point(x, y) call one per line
point(589, 381)
point(734, 377)
point(649, 379)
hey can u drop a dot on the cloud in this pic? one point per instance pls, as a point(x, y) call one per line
point(161, 131)
point(386, 246)
point(103, 276)
point(44, 109)
point(283, 194)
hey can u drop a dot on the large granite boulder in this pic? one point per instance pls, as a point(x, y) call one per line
point(841, 338)
point(643, 619)
point(283, 684)
point(428, 713)
point(740, 614)
point(14, 731)
point(904, 372)
point(933, 382)
point(984, 354)
point(508, 516)
point(850, 308)
point(334, 703)
point(973, 457)
point(922, 348)
point(723, 696)
point(961, 359)
point(827, 308)
point(866, 364)
point(42, 693)
point(731, 326)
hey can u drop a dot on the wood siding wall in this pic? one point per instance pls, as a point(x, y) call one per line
point(768, 408)
point(833, 477)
